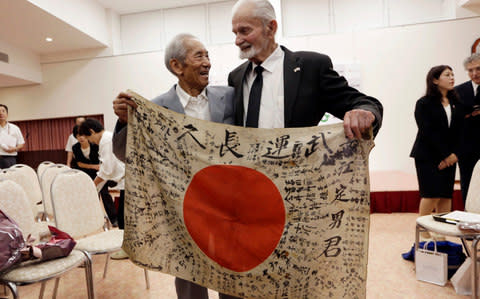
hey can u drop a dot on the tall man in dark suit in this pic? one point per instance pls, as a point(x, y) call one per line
point(186, 58)
point(469, 93)
point(278, 88)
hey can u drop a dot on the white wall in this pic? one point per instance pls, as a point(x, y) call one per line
point(393, 60)
point(394, 65)
point(75, 12)
point(23, 64)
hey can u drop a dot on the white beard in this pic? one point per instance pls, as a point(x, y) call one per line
point(247, 54)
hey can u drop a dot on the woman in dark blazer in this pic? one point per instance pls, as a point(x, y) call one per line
point(439, 122)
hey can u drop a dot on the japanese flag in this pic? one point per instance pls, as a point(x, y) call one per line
point(255, 213)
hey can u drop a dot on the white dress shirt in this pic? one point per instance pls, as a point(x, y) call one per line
point(271, 113)
point(10, 131)
point(194, 106)
point(110, 167)
point(475, 85)
point(448, 111)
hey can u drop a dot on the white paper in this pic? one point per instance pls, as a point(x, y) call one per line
point(462, 216)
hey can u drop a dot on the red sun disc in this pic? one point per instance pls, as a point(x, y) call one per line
point(235, 215)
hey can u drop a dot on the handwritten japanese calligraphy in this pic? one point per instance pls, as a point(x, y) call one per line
point(298, 198)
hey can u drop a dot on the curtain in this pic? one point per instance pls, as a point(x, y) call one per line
point(48, 134)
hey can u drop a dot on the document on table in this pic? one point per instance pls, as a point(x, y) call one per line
point(457, 216)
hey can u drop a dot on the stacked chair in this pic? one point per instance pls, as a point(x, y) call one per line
point(15, 204)
point(78, 212)
point(42, 166)
point(46, 179)
point(27, 178)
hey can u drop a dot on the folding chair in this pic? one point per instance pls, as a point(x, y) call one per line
point(14, 203)
point(78, 212)
point(472, 205)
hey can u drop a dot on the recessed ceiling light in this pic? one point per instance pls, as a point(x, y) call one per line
point(49, 39)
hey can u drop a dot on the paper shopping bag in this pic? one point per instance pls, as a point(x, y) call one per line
point(431, 266)
point(462, 280)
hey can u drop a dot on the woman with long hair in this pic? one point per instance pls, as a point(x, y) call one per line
point(439, 119)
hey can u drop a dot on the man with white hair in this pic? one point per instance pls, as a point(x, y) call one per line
point(469, 93)
point(278, 88)
point(186, 58)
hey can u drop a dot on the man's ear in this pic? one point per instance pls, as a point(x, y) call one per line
point(176, 66)
point(272, 27)
point(91, 131)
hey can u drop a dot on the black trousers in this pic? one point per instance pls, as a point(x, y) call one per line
point(7, 161)
point(108, 203)
point(190, 290)
point(466, 165)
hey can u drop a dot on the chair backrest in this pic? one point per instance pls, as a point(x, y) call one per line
point(473, 196)
point(42, 166)
point(26, 177)
point(76, 204)
point(26, 169)
point(20, 178)
point(15, 204)
point(46, 182)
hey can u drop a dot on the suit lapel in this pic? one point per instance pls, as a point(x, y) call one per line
point(471, 93)
point(238, 80)
point(216, 105)
point(292, 70)
point(172, 101)
point(442, 113)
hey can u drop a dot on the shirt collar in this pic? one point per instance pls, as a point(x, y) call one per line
point(272, 60)
point(475, 85)
point(185, 97)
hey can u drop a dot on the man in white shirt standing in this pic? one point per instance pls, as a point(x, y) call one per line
point(72, 140)
point(11, 140)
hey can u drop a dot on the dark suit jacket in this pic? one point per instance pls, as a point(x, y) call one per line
point(471, 131)
point(93, 159)
point(311, 88)
point(435, 139)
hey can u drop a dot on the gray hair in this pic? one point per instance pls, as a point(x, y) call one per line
point(176, 49)
point(263, 9)
point(470, 59)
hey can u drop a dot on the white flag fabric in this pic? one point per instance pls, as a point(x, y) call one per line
point(255, 213)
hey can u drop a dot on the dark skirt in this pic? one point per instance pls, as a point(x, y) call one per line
point(434, 183)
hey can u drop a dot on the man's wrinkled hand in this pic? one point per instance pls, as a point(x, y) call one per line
point(120, 106)
point(357, 123)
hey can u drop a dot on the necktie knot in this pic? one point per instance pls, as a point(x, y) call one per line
point(259, 69)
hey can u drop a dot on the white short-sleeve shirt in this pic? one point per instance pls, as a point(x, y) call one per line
point(12, 131)
point(70, 142)
point(110, 167)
